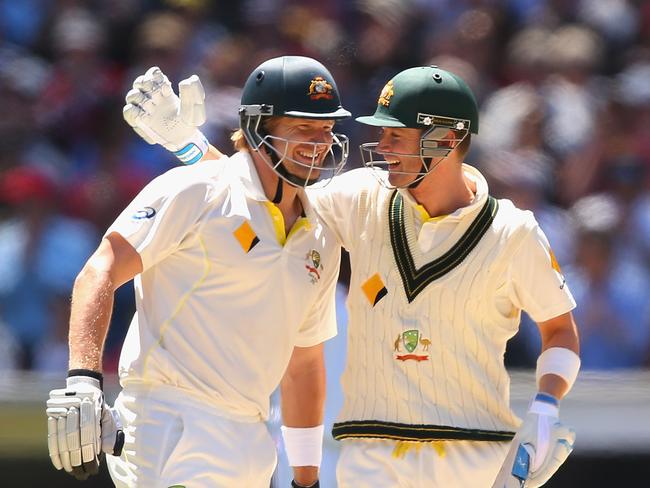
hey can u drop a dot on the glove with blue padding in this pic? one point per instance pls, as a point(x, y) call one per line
point(539, 448)
point(80, 425)
point(160, 116)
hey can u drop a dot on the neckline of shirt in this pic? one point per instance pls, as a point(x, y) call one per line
point(480, 196)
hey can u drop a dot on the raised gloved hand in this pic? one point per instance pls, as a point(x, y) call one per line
point(80, 426)
point(159, 116)
point(539, 448)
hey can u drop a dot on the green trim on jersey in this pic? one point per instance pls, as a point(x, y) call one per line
point(416, 280)
point(377, 429)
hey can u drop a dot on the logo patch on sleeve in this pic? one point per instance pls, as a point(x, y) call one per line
point(145, 213)
point(374, 289)
point(313, 266)
point(246, 236)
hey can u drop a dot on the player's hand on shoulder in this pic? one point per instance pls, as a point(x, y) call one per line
point(160, 116)
point(80, 426)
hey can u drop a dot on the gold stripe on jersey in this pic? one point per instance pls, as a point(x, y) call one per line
point(246, 236)
point(415, 280)
point(377, 429)
point(374, 289)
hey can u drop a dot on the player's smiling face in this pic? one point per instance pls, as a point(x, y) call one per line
point(400, 147)
point(308, 141)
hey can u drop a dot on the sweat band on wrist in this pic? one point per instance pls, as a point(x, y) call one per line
point(194, 150)
point(88, 373)
point(558, 361)
point(304, 446)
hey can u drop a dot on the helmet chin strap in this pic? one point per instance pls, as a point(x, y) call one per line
point(423, 171)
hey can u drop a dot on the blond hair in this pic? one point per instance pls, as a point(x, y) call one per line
point(238, 138)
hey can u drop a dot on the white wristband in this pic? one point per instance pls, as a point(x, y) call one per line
point(194, 150)
point(304, 446)
point(558, 361)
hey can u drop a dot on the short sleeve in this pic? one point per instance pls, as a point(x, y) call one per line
point(320, 324)
point(337, 203)
point(162, 215)
point(537, 283)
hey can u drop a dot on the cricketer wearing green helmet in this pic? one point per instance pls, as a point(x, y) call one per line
point(441, 112)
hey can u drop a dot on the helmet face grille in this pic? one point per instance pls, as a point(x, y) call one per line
point(275, 152)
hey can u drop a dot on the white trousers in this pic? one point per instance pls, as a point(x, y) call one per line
point(171, 440)
point(366, 463)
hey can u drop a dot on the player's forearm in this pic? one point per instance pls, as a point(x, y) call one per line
point(559, 334)
point(303, 395)
point(302, 400)
point(90, 315)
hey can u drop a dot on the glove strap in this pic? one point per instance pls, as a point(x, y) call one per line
point(545, 404)
point(193, 151)
point(88, 373)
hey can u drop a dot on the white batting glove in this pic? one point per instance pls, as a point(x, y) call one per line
point(80, 425)
point(159, 116)
point(539, 448)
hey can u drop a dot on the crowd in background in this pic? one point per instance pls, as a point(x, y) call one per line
point(563, 86)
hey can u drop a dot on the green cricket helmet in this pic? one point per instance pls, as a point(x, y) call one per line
point(292, 86)
point(427, 98)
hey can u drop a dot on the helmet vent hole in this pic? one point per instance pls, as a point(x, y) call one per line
point(260, 76)
point(437, 78)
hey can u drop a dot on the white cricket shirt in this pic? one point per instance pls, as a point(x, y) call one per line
point(223, 299)
point(432, 303)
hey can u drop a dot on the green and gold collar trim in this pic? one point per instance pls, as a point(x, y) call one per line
point(416, 280)
point(377, 429)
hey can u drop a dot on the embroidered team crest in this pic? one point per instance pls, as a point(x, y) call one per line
point(313, 266)
point(320, 88)
point(386, 94)
point(411, 340)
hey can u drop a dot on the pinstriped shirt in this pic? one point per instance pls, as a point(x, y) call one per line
point(432, 303)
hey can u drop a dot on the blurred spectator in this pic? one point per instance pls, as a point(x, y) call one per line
point(41, 252)
point(612, 290)
point(563, 88)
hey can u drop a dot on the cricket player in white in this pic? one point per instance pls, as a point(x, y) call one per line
point(235, 279)
point(440, 274)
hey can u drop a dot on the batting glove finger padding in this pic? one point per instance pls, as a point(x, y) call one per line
point(159, 116)
point(192, 97)
point(81, 426)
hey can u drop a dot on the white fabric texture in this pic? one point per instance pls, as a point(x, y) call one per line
point(172, 439)
point(463, 319)
point(213, 317)
point(371, 464)
point(559, 361)
point(304, 446)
